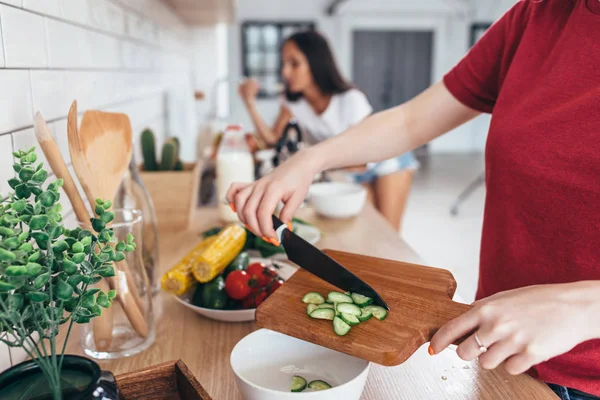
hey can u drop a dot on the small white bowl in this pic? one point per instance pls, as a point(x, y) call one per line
point(264, 363)
point(337, 199)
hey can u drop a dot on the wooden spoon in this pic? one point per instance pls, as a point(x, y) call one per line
point(87, 177)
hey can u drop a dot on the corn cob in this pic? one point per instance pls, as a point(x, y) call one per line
point(213, 260)
point(179, 279)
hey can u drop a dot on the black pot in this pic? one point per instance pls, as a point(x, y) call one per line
point(81, 379)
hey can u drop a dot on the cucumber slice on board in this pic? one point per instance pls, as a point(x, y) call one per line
point(378, 312)
point(310, 308)
point(340, 327)
point(323, 313)
point(364, 316)
point(298, 384)
point(326, 305)
point(313, 298)
point(350, 319)
point(346, 308)
point(319, 385)
point(337, 297)
point(360, 300)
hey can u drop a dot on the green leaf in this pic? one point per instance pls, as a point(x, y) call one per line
point(33, 269)
point(87, 267)
point(11, 243)
point(92, 291)
point(77, 247)
point(70, 241)
point(60, 246)
point(4, 231)
point(88, 301)
point(112, 294)
point(96, 311)
point(19, 206)
point(106, 272)
point(69, 267)
point(23, 236)
point(129, 248)
point(17, 167)
point(75, 280)
point(119, 256)
point(13, 183)
point(16, 270)
point(105, 237)
point(83, 233)
point(26, 173)
point(41, 238)
point(70, 305)
point(129, 238)
point(84, 312)
point(41, 280)
point(102, 300)
point(15, 302)
point(47, 199)
point(82, 320)
point(99, 202)
point(40, 176)
point(120, 246)
point(104, 257)
point(107, 217)
point(31, 157)
point(26, 247)
point(78, 258)
point(38, 297)
point(22, 191)
point(5, 286)
point(107, 204)
point(64, 291)
point(34, 257)
point(54, 216)
point(86, 241)
point(59, 182)
point(94, 280)
point(38, 222)
point(99, 210)
point(98, 225)
point(37, 208)
point(40, 166)
point(55, 230)
point(35, 190)
point(17, 154)
point(7, 256)
point(25, 218)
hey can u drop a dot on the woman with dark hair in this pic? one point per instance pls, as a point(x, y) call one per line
point(536, 71)
point(324, 105)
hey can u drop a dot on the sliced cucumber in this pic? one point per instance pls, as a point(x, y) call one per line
point(350, 319)
point(319, 385)
point(298, 384)
point(310, 308)
point(360, 300)
point(346, 308)
point(323, 313)
point(326, 305)
point(365, 315)
point(313, 298)
point(378, 312)
point(337, 297)
point(340, 327)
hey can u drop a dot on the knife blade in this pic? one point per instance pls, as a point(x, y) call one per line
point(320, 264)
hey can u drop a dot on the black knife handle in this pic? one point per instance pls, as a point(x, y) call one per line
point(276, 222)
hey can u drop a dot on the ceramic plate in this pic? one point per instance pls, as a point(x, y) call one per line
point(285, 271)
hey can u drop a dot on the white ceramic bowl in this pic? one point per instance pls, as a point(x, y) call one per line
point(264, 363)
point(337, 199)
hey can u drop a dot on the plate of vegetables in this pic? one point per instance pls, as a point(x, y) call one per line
point(220, 280)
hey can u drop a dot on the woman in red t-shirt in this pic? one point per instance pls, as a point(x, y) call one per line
point(536, 71)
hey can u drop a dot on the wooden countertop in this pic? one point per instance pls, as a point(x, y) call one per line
point(205, 345)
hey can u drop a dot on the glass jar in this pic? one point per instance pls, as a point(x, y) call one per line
point(127, 327)
point(133, 194)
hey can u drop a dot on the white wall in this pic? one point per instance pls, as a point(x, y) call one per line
point(130, 56)
point(449, 19)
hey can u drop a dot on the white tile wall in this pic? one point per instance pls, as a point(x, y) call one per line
point(24, 38)
point(12, 2)
point(47, 7)
point(68, 45)
point(15, 100)
point(49, 89)
point(1, 48)
point(77, 10)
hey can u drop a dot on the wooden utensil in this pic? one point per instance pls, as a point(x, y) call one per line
point(125, 293)
point(419, 299)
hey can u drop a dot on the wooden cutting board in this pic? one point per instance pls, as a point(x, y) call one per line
point(419, 299)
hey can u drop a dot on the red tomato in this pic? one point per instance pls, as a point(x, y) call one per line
point(275, 285)
point(255, 299)
point(260, 273)
point(237, 285)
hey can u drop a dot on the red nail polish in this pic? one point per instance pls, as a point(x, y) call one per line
point(289, 226)
point(431, 351)
point(232, 207)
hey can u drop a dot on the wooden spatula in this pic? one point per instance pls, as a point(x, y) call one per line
point(419, 299)
point(104, 187)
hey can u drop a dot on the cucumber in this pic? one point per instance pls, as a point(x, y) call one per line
point(240, 263)
point(337, 297)
point(214, 295)
point(378, 312)
point(319, 385)
point(323, 313)
point(298, 384)
point(346, 308)
point(313, 298)
point(360, 300)
point(350, 319)
point(340, 327)
point(364, 316)
point(337, 313)
point(326, 305)
point(310, 308)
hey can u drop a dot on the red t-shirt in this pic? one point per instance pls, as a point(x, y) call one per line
point(537, 70)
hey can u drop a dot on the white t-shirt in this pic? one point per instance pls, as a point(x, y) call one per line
point(344, 110)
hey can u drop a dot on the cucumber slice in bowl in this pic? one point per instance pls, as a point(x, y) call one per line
point(319, 385)
point(313, 298)
point(310, 308)
point(298, 384)
point(340, 327)
point(360, 300)
point(337, 297)
point(364, 316)
point(378, 312)
point(323, 313)
point(346, 308)
point(350, 319)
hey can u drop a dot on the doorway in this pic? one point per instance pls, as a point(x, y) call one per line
point(392, 67)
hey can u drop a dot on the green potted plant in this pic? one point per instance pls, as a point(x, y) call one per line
point(47, 274)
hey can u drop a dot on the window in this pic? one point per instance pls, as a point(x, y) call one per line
point(261, 58)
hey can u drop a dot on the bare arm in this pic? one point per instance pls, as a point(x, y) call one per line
point(268, 134)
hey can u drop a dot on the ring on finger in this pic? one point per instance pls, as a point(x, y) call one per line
point(482, 348)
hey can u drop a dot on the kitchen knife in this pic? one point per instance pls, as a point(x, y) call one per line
point(320, 264)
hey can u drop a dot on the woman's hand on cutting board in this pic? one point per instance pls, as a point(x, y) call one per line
point(526, 326)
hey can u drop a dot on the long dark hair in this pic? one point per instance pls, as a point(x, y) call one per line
point(323, 68)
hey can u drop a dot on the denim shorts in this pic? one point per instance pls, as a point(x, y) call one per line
point(406, 161)
point(571, 394)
